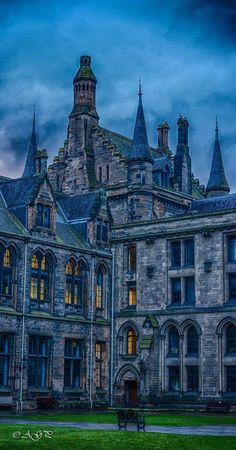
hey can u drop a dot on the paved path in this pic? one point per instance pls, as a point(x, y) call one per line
point(209, 430)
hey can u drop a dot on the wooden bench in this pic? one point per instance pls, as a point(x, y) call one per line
point(6, 401)
point(218, 406)
point(129, 416)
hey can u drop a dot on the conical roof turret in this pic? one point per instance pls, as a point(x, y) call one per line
point(140, 146)
point(217, 183)
point(30, 169)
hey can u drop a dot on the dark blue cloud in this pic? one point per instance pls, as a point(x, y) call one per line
point(184, 52)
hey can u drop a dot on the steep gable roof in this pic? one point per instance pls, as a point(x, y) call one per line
point(79, 207)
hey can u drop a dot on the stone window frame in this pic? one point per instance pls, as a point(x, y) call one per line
point(100, 349)
point(183, 271)
point(225, 359)
point(229, 266)
point(10, 268)
point(82, 263)
point(37, 303)
point(123, 340)
point(9, 356)
point(103, 306)
point(72, 360)
point(40, 357)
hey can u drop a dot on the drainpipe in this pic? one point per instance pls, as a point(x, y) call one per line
point(91, 335)
point(23, 329)
point(112, 320)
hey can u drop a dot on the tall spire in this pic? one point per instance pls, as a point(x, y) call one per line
point(29, 169)
point(217, 184)
point(140, 145)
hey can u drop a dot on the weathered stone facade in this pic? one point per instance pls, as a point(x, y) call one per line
point(117, 274)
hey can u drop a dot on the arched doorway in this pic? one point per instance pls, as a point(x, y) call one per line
point(128, 387)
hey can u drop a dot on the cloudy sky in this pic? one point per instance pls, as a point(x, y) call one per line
point(183, 50)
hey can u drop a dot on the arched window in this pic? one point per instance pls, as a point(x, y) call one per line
point(83, 87)
point(100, 173)
point(40, 274)
point(76, 283)
point(87, 87)
point(108, 172)
point(192, 341)
point(131, 342)
point(7, 267)
point(100, 288)
point(173, 342)
point(231, 339)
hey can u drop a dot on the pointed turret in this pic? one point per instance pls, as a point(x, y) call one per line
point(140, 178)
point(30, 168)
point(140, 146)
point(85, 89)
point(217, 184)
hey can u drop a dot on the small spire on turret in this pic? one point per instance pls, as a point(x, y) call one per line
point(30, 168)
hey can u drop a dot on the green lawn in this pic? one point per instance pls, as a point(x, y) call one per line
point(151, 419)
point(68, 439)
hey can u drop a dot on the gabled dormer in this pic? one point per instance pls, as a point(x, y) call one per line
point(42, 208)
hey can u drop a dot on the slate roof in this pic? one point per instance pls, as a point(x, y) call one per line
point(222, 203)
point(123, 144)
point(68, 235)
point(29, 169)
point(83, 206)
point(146, 342)
point(140, 145)
point(85, 70)
point(8, 222)
point(20, 191)
point(217, 180)
point(160, 163)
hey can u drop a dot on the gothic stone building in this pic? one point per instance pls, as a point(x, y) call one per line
point(117, 269)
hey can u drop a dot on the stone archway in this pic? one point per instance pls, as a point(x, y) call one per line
point(127, 388)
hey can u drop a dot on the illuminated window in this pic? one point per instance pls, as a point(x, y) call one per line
point(76, 283)
point(131, 342)
point(40, 274)
point(98, 367)
point(132, 296)
point(7, 268)
point(100, 288)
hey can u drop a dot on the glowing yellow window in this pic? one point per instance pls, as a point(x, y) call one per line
point(98, 296)
point(34, 288)
point(42, 289)
point(131, 342)
point(34, 262)
point(68, 293)
point(132, 296)
point(68, 268)
point(6, 258)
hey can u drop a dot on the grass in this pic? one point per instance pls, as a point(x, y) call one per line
point(161, 418)
point(67, 439)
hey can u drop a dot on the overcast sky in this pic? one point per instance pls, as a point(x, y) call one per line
point(183, 50)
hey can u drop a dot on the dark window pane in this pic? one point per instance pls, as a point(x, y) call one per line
point(38, 361)
point(174, 379)
point(232, 249)
point(192, 341)
point(189, 252)
point(72, 363)
point(232, 286)
point(132, 256)
point(173, 342)
point(176, 290)
point(176, 254)
point(231, 339)
point(104, 232)
point(231, 379)
point(193, 378)
point(189, 290)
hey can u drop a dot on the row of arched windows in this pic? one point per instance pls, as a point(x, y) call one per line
point(41, 282)
point(76, 274)
point(85, 87)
